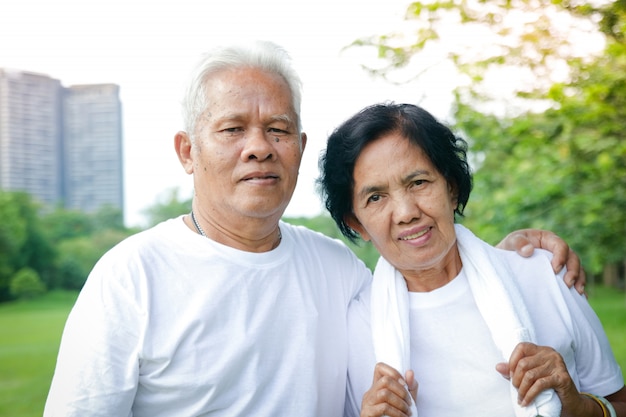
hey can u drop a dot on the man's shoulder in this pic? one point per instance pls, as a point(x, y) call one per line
point(161, 235)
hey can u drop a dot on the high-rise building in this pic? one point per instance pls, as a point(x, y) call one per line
point(61, 145)
point(30, 135)
point(92, 131)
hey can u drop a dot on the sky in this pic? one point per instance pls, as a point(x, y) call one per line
point(149, 48)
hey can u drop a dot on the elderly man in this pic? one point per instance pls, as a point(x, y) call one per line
point(226, 311)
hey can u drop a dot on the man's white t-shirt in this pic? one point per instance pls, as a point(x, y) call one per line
point(170, 323)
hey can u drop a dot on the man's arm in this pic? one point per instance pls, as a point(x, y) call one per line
point(97, 368)
point(525, 241)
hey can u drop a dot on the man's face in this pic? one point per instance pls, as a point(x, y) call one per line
point(246, 147)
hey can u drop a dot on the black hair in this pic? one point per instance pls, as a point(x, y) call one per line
point(447, 152)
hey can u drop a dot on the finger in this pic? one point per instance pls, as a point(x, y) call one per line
point(573, 267)
point(504, 370)
point(519, 242)
point(575, 272)
point(382, 410)
point(387, 388)
point(580, 283)
point(520, 352)
point(541, 367)
point(412, 384)
point(532, 387)
point(551, 373)
point(382, 369)
point(389, 377)
point(559, 248)
point(530, 377)
point(386, 397)
point(525, 357)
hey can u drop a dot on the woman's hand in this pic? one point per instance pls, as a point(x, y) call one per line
point(525, 241)
point(533, 369)
point(388, 395)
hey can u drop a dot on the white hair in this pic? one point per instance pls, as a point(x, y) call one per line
point(264, 55)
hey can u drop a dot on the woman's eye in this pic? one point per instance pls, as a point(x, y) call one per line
point(373, 198)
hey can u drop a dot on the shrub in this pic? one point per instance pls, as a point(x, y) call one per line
point(26, 284)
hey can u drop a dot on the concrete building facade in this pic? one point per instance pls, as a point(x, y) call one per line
point(62, 145)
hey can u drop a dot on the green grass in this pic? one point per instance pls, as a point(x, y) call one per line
point(610, 306)
point(31, 332)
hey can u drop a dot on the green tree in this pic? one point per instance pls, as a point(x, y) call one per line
point(26, 284)
point(62, 223)
point(326, 225)
point(170, 205)
point(108, 218)
point(22, 241)
point(551, 153)
point(13, 234)
point(78, 255)
point(569, 162)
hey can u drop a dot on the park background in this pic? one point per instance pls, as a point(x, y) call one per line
point(538, 88)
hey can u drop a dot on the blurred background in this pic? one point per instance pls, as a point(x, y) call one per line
point(538, 88)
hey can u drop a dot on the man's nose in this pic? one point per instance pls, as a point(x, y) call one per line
point(258, 145)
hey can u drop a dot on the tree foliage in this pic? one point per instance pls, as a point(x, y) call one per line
point(26, 284)
point(22, 241)
point(35, 241)
point(170, 205)
point(549, 146)
point(78, 255)
point(326, 225)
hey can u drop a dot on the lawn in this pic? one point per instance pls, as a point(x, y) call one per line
point(31, 331)
point(610, 306)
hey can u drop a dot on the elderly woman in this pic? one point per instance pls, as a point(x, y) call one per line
point(485, 332)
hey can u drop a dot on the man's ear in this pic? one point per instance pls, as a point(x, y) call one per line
point(183, 146)
point(356, 225)
point(303, 139)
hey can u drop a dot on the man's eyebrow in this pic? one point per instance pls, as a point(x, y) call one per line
point(241, 116)
point(282, 118)
point(229, 117)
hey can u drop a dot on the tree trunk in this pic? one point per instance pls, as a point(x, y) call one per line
point(610, 275)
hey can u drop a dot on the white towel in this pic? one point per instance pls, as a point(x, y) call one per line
point(496, 296)
point(390, 319)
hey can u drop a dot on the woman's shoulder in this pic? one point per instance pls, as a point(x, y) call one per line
point(538, 263)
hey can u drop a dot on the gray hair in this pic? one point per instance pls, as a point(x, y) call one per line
point(264, 55)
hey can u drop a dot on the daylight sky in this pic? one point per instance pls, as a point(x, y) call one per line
point(149, 48)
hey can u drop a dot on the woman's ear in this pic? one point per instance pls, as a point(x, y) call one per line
point(454, 194)
point(356, 225)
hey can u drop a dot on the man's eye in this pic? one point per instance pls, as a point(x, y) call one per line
point(276, 130)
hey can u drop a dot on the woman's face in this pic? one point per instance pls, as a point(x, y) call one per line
point(404, 206)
